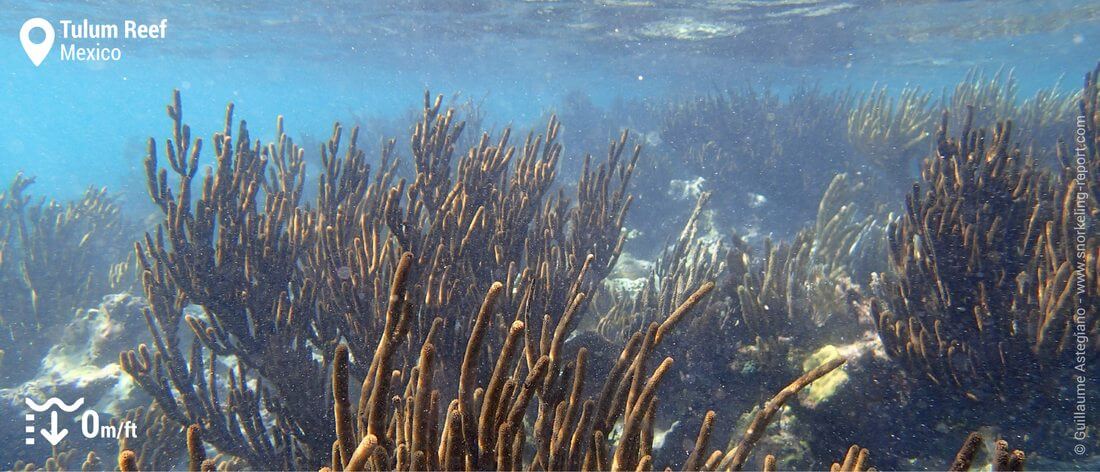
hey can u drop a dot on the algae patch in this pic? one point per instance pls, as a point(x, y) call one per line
point(826, 387)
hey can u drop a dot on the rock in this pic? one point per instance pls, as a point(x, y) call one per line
point(686, 190)
point(82, 364)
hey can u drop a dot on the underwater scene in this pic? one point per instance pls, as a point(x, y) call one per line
point(550, 235)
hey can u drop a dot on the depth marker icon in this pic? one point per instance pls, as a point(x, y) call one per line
point(52, 435)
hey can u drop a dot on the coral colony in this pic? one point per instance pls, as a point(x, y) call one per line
point(464, 308)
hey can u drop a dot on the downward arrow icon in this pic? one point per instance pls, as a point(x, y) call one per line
point(53, 435)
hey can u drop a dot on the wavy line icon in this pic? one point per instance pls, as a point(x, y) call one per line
point(52, 402)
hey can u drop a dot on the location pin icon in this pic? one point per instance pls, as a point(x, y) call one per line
point(36, 51)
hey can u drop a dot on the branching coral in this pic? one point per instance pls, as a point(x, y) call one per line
point(41, 241)
point(1078, 154)
point(1003, 459)
point(993, 289)
point(61, 459)
point(687, 262)
point(848, 239)
point(1041, 119)
point(465, 282)
point(895, 131)
point(569, 431)
point(238, 259)
point(892, 132)
point(56, 236)
point(279, 281)
point(159, 442)
point(736, 457)
point(487, 428)
point(982, 297)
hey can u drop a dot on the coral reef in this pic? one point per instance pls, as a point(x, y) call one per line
point(280, 282)
point(1041, 120)
point(993, 288)
point(892, 132)
point(773, 313)
point(497, 436)
point(419, 282)
point(983, 263)
point(41, 241)
point(974, 296)
point(464, 302)
point(895, 132)
point(807, 282)
point(771, 150)
point(82, 362)
point(774, 150)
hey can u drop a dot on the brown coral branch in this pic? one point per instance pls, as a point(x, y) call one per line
point(760, 422)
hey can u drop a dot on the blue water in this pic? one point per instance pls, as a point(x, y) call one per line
point(78, 124)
